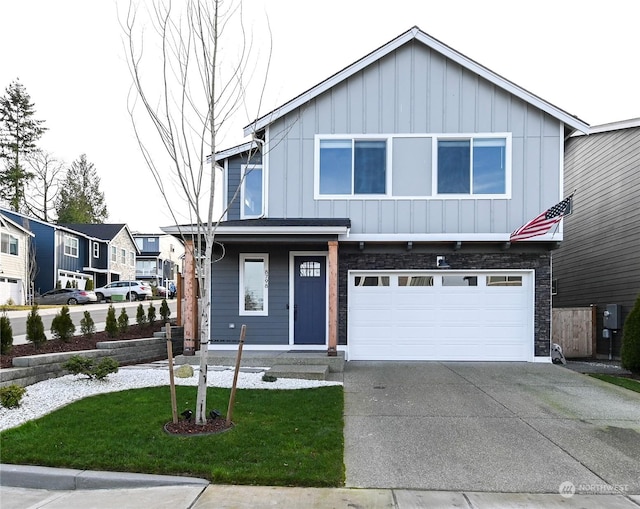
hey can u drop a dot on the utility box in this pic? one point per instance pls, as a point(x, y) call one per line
point(613, 317)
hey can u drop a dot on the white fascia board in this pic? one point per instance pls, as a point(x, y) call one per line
point(615, 126)
point(238, 149)
point(436, 45)
point(262, 230)
point(443, 237)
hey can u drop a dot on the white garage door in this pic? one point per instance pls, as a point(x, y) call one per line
point(10, 289)
point(440, 316)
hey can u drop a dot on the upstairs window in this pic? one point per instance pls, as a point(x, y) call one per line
point(71, 246)
point(472, 166)
point(114, 254)
point(252, 192)
point(96, 250)
point(9, 244)
point(352, 167)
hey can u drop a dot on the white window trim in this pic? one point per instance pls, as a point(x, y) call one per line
point(435, 137)
point(243, 171)
point(17, 242)
point(463, 137)
point(71, 248)
point(96, 250)
point(113, 256)
point(265, 310)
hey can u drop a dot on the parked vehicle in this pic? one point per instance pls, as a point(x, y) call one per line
point(69, 296)
point(161, 291)
point(129, 290)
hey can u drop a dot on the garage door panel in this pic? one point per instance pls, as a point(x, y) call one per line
point(441, 322)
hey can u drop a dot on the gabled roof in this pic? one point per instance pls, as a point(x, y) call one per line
point(410, 35)
point(615, 126)
point(4, 221)
point(45, 223)
point(105, 232)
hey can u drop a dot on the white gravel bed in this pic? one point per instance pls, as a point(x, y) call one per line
point(44, 397)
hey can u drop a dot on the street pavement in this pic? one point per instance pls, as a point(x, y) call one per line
point(466, 435)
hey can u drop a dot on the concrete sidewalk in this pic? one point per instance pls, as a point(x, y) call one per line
point(78, 489)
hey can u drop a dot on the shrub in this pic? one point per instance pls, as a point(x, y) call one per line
point(6, 335)
point(58, 284)
point(141, 317)
point(123, 321)
point(165, 312)
point(35, 328)
point(78, 365)
point(68, 285)
point(11, 396)
point(87, 325)
point(10, 302)
point(111, 324)
point(151, 314)
point(630, 352)
point(62, 326)
point(89, 286)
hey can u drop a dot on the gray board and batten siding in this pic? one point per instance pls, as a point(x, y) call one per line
point(598, 261)
point(416, 91)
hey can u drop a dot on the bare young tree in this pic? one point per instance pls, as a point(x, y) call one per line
point(42, 190)
point(197, 89)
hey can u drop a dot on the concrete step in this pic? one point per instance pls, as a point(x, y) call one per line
point(305, 372)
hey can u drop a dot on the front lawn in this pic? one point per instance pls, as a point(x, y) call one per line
point(627, 383)
point(281, 437)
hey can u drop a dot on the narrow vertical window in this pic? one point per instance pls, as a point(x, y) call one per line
point(252, 192)
point(254, 284)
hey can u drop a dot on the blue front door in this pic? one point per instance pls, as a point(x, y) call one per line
point(310, 300)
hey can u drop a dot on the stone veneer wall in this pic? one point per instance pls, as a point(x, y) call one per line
point(376, 259)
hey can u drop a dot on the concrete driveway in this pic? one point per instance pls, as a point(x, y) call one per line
point(496, 427)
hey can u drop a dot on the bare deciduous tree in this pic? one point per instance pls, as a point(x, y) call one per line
point(189, 100)
point(42, 190)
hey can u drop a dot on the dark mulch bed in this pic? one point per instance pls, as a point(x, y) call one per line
point(78, 343)
point(189, 427)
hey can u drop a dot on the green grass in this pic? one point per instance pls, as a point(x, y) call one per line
point(280, 438)
point(627, 383)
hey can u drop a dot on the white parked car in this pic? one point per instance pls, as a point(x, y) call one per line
point(128, 290)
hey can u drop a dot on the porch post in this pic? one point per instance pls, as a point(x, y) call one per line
point(190, 299)
point(332, 351)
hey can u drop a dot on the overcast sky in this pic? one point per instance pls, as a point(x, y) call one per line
point(582, 56)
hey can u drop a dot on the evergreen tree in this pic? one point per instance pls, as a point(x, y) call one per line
point(165, 312)
point(19, 132)
point(6, 335)
point(151, 314)
point(62, 326)
point(87, 325)
point(141, 317)
point(111, 323)
point(35, 328)
point(630, 352)
point(123, 321)
point(80, 199)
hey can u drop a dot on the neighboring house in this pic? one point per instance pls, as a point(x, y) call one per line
point(15, 244)
point(375, 214)
point(158, 258)
point(79, 252)
point(113, 252)
point(598, 263)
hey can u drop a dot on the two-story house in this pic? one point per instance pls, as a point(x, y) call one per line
point(77, 253)
point(158, 258)
point(375, 213)
point(15, 243)
point(113, 252)
point(598, 263)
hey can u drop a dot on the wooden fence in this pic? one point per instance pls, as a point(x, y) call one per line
point(574, 329)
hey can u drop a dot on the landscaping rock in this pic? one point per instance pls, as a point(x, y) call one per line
point(184, 371)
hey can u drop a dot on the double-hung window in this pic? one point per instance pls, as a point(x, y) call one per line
point(254, 284)
point(252, 192)
point(9, 244)
point(96, 250)
point(71, 246)
point(352, 166)
point(472, 166)
point(114, 254)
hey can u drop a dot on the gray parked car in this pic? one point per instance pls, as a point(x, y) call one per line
point(66, 296)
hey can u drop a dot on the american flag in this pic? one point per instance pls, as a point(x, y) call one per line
point(543, 223)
